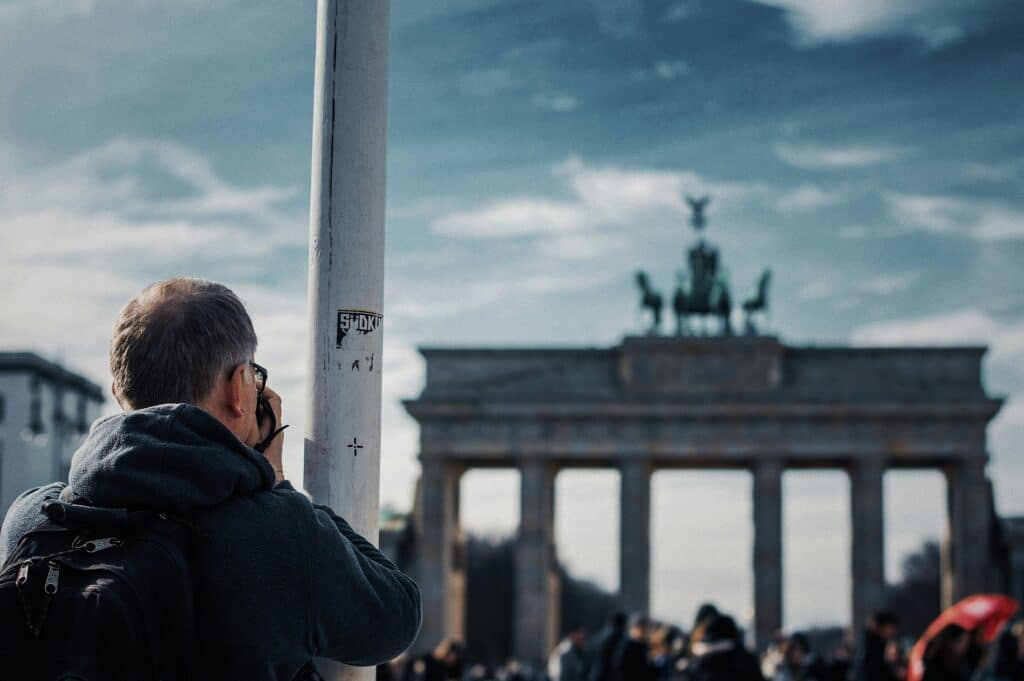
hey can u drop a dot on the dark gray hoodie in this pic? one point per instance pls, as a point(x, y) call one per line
point(279, 579)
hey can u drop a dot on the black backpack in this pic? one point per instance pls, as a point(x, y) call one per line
point(99, 594)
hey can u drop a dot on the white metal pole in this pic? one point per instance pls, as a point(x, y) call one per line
point(346, 267)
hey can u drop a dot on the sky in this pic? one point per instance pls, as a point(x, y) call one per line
point(870, 152)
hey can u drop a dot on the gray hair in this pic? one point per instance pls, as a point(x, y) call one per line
point(172, 341)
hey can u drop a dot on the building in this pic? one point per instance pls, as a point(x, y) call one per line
point(1013, 534)
point(747, 403)
point(45, 412)
point(688, 400)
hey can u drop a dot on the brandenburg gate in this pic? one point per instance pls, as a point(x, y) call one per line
point(748, 403)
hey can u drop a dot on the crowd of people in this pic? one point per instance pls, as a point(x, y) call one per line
point(637, 649)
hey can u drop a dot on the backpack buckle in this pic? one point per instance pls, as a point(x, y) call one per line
point(50, 587)
point(102, 544)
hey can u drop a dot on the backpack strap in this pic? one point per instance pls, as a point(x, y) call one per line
point(112, 520)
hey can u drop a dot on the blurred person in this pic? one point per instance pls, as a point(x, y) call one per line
point(870, 663)
point(896, 658)
point(799, 663)
point(977, 648)
point(385, 672)
point(1004, 660)
point(773, 655)
point(705, 613)
point(395, 669)
point(478, 672)
point(277, 580)
point(666, 646)
point(631, 659)
point(516, 671)
point(570, 660)
point(606, 645)
point(443, 663)
point(944, 655)
point(555, 658)
point(717, 654)
point(838, 664)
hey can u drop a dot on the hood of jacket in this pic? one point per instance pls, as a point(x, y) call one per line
point(168, 458)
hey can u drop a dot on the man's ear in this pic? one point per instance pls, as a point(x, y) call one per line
point(236, 385)
point(116, 398)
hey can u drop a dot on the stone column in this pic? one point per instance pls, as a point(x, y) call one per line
point(767, 550)
point(437, 535)
point(537, 584)
point(1016, 583)
point(635, 535)
point(970, 528)
point(867, 539)
point(456, 616)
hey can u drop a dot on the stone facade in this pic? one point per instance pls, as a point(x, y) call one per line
point(748, 403)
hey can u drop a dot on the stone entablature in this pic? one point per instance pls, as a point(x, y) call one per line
point(746, 369)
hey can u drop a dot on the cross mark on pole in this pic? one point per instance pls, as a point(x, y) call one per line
point(355, 446)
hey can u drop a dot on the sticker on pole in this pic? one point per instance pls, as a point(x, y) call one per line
point(355, 324)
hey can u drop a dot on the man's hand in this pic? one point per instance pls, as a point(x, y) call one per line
point(274, 451)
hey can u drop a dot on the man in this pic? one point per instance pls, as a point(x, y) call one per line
point(718, 653)
point(799, 662)
point(631, 659)
point(606, 645)
point(279, 579)
point(570, 661)
point(871, 664)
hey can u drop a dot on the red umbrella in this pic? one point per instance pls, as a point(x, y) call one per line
point(987, 612)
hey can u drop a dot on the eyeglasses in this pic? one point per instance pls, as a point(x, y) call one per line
point(261, 376)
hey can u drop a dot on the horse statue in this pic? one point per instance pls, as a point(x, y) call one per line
point(679, 303)
point(756, 303)
point(651, 300)
point(704, 292)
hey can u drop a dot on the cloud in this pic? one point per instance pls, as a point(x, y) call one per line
point(522, 216)
point(618, 18)
point(137, 203)
point(880, 285)
point(959, 327)
point(583, 246)
point(487, 82)
point(603, 202)
point(681, 10)
point(934, 22)
point(413, 300)
point(853, 232)
point(991, 172)
point(80, 236)
point(672, 68)
point(663, 69)
point(58, 10)
point(142, 179)
point(887, 284)
point(559, 103)
point(808, 197)
point(817, 157)
point(818, 289)
point(983, 220)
